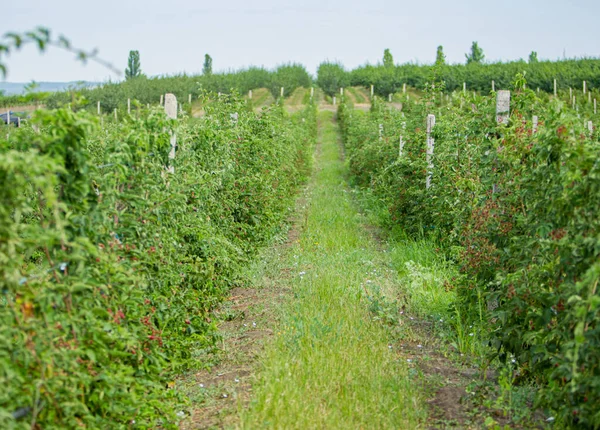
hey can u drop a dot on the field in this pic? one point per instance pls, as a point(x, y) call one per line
point(426, 258)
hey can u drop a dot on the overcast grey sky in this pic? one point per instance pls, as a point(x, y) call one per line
point(173, 35)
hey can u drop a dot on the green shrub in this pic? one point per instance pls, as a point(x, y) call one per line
point(515, 210)
point(110, 265)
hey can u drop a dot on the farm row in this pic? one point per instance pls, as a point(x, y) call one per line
point(113, 253)
point(510, 193)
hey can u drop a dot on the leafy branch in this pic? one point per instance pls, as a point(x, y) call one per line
point(43, 38)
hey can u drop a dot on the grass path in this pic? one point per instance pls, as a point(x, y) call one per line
point(338, 330)
point(329, 364)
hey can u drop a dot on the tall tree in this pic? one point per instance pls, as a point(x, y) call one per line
point(133, 69)
point(533, 58)
point(388, 60)
point(476, 55)
point(207, 68)
point(440, 57)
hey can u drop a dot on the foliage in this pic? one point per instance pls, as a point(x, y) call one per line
point(440, 57)
point(147, 90)
point(476, 55)
point(23, 99)
point(133, 69)
point(207, 68)
point(478, 77)
point(533, 57)
point(110, 265)
point(43, 38)
point(289, 77)
point(511, 207)
point(388, 60)
point(331, 77)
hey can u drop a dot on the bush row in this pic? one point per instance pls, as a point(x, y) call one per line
point(146, 90)
point(478, 77)
point(110, 265)
point(517, 211)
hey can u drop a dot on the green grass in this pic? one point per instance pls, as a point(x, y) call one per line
point(262, 97)
point(360, 94)
point(329, 365)
point(426, 279)
point(297, 98)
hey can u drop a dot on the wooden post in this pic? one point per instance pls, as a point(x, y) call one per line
point(189, 99)
point(465, 88)
point(312, 92)
point(334, 100)
point(171, 111)
point(116, 117)
point(282, 91)
point(128, 106)
point(430, 147)
point(554, 87)
point(503, 107)
point(534, 122)
point(401, 146)
point(98, 108)
point(250, 94)
point(595, 110)
point(161, 99)
point(570, 94)
point(493, 86)
point(589, 96)
point(590, 126)
point(380, 131)
point(372, 91)
point(342, 91)
point(574, 104)
point(584, 87)
point(404, 88)
point(390, 97)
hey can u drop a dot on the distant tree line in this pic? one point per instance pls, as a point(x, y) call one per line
point(145, 89)
point(387, 77)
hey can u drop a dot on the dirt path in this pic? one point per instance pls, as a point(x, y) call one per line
point(247, 321)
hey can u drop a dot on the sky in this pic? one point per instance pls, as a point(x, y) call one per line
point(172, 36)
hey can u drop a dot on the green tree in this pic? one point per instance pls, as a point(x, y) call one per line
point(533, 58)
point(388, 60)
point(289, 76)
point(440, 57)
point(207, 68)
point(331, 77)
point(133, 69)
point(476, 55)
